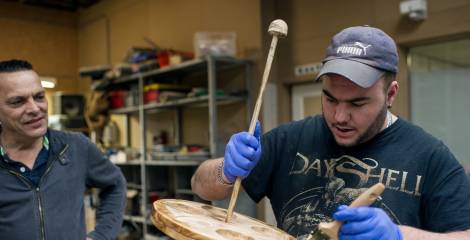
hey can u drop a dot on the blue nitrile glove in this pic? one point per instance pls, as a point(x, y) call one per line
point(242, 154)
point(366, 223)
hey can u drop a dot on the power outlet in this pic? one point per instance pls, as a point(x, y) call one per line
point(307, 69)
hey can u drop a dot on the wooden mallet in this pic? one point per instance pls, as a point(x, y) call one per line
point(278, 29)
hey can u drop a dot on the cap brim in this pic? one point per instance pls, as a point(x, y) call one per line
point(361, 74)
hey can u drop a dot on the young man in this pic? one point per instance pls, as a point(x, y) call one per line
point(313, 168)
point(44, 173)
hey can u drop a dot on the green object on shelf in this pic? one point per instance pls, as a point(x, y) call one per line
point(204, 92)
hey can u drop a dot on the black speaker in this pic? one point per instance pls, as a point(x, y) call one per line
point(71, 106)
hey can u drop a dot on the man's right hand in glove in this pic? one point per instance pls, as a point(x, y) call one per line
point(242, 153)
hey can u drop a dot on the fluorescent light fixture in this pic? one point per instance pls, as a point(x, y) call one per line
point(48, 82)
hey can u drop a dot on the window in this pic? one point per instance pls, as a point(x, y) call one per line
point(440, 93)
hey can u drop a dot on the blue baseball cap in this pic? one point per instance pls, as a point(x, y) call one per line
point(362, 54)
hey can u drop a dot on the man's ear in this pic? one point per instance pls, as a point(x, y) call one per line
point(392, 93)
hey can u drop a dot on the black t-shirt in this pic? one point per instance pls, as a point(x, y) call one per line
point(306, 175)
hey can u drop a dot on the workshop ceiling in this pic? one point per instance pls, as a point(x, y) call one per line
point(65, 5)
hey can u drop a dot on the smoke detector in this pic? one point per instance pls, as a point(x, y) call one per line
point(415, 9)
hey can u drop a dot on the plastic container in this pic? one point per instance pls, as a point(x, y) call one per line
point(163, 58)
point(153, 91)
point(215, 44)
point(117, 98)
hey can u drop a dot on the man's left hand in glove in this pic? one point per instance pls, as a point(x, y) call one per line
point(366, 223)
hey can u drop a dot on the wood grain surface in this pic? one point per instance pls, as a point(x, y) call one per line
point(181, 219)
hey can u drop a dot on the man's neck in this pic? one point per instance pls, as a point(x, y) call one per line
point(16, 143)
point(389, 120)
point(21, 149)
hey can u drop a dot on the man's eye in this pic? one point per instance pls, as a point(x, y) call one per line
point(15, 103)
point(331, 100)
point(39, 97)
point(360, 104)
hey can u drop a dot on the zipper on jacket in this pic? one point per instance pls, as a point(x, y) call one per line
point(38, 193)
point(37, 190)
point(41, 214)
point(48, 169)
point(22, 178)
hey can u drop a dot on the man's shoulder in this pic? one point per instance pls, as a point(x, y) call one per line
point(65, 136)
point(412, 132)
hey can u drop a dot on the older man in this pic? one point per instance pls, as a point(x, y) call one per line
point(44, 173)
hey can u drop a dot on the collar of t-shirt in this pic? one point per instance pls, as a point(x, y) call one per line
point(34, 175)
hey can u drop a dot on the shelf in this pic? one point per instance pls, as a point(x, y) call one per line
point(200, 101)
point(131, 162)
point(187, 66)
point(170, 170)
point(188, 163)
point(134, 186)
point(193, 101)
point(184, 191)
point(138, 219)
point(191, 66)
point(125, 110)
point(182, 161)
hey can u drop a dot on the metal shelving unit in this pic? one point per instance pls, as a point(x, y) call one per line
point(208, 67)
point(136, 219)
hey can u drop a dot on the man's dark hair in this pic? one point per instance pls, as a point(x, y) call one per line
point(14, 65)
point(389, 77)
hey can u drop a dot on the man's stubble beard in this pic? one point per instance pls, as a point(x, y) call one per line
point(371, 131)
point(375, 128)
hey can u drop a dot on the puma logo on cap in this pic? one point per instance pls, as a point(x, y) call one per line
point(358, 49)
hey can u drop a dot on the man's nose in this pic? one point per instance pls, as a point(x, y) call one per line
point(32, 106)
point(342, 113)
